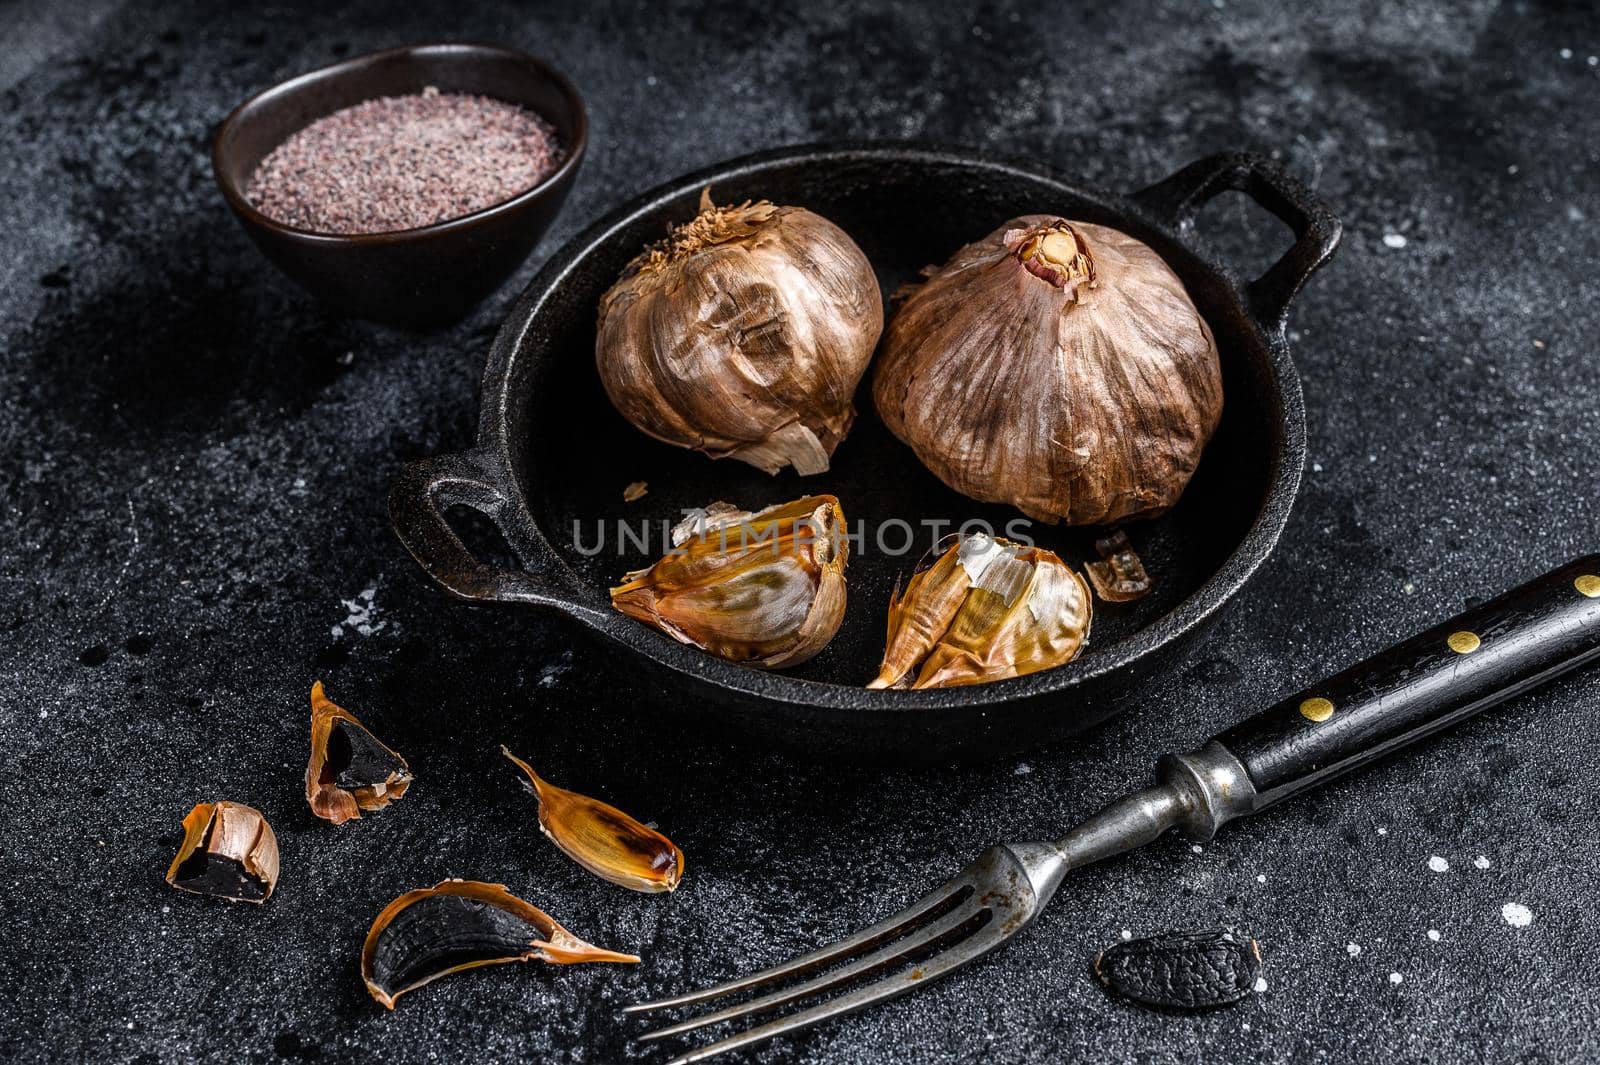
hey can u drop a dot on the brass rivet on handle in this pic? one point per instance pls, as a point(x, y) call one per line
point(1316, 709)
point(1464, 642)
point(1589, 585)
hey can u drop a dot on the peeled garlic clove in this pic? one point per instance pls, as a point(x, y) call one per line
point(462, 924)
point(743, 334)
point(228, 851)
point(1057, 366)
point(603, 839)
point(990, 609)
point(766, 589)
point(350, 770)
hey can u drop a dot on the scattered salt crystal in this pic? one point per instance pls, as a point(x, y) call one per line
point(1516, 914)
point(1316, 467)
point(1396, 978)
point(1409, 588)
point(1433, 934)
point(1023, 769)
point(1383, 831)
point(1438, 864)
point(1394, 240)
point(1196, 848)
point(1481, 861)
point(1353, 949)
point(1566, 53)
point(1260, 985)
point(1127, 933)
point(1261, 878)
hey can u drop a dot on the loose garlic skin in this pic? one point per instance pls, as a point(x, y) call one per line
point(1056, 366)
point(743, 335)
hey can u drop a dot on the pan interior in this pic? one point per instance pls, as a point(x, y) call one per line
point(575, 455)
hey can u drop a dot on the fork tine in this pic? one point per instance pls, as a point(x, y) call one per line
point(878, 959)
point(906, 980)
point(868, 937)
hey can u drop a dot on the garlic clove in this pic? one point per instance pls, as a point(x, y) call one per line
point(766, 589)
point(987, 610)
point(603, 839)
point(229, 851)
point(458, 925)
point(350, 769)
point(920, 616)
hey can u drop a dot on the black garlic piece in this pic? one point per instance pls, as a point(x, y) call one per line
point(229, 852)
point(1182, 970)
point(351, 770)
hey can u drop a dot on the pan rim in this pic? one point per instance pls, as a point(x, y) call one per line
point(514, 340)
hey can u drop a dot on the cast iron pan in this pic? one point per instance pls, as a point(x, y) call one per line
point(552, 455)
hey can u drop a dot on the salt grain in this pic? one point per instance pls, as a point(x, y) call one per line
point(400, 162)
point(1353, 949)
point(1396, 978)
point(1481, 861)
point(1438, 864)
point(1516, 915)
point(1394, 240)
point(1433, 934)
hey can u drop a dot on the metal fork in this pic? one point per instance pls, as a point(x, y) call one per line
point(1504, 647)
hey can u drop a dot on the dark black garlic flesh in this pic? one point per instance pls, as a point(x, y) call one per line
point(1182, 970)
point(350, 770)
point(229, 852)
point(462, 924)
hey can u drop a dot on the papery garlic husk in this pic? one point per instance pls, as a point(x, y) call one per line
point(1057, 366)
point(765, 589)
point(743, 334)
point(987, 609)
point(606, 841)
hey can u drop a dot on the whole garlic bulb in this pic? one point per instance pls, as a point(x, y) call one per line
point(1057, 366)
point(743, 334)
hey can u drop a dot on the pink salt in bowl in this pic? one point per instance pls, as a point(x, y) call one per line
point(425, 276)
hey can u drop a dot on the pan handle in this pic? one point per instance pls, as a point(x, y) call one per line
point(417, 505)
point(1175, 202)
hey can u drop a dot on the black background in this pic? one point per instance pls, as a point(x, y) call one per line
point(195, 460)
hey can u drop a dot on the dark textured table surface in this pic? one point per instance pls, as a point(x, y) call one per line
point(192, 528)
